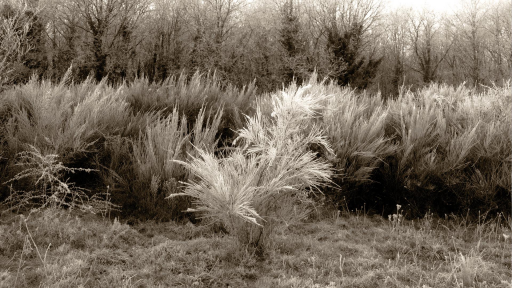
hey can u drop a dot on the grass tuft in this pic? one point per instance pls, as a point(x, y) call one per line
point(272, 164)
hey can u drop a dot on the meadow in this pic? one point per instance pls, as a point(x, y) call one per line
point(193, 183)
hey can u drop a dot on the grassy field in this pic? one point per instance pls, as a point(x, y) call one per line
point(61, 249)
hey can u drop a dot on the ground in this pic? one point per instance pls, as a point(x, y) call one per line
point(60, 249)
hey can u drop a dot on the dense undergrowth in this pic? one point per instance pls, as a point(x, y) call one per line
point(285, 183)
point(127, 134)
point(441, 150)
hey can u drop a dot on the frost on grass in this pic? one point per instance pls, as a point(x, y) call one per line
point(45, 172)
point(271, 168)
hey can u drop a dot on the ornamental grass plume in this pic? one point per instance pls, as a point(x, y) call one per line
point(270, 170)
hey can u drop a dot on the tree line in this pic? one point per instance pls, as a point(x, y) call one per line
point(361, 43)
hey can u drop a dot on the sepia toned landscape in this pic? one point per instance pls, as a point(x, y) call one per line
point(232, 143)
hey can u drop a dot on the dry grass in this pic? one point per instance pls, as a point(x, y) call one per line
point(356, 127)
point(57, 249)
point(45, 173)
point(190, 94)
point(272, 164)
point(62, 119)
point(441, 148)
point(167, 140)
point(80, 123)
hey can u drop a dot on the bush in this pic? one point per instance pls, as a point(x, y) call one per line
point(445, 148)
point(356, 128)
point(154, 155)
point(271, 169)
point(45, 173)
point(190, 95)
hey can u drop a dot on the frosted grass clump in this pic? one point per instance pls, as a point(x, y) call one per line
point(270, 172)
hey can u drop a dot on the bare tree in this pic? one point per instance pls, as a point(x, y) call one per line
point(109, 23)
point(394, 45)
point(345, 13)
point(429, 51)
point(15, 23)
point(166, 29)
point(498, 27)
point(469, 22)
point(214, 24)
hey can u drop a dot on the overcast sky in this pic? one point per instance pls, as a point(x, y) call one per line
point(443, 6)
point(436, 5)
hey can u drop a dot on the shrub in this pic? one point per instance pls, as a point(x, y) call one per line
point(44, 172)
point(189, 95)
point(356, 128)
point(446, 148)
point(270, 170)
point(164, 141)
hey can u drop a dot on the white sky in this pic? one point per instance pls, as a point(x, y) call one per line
point(436, 5)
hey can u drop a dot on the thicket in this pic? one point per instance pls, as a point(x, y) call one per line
point(441, 149)
point(127, 135)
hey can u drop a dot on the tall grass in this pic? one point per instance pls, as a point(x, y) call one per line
point(443, 149)
point(271, 170)
point(190, 94)
point(80, 123)
point(447, 149)
point(356, 127)
point(448, 139)
point(61, 119)
point(154, 154)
